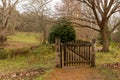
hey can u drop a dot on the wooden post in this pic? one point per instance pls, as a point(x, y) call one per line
point(57, 47)
point(93, 52)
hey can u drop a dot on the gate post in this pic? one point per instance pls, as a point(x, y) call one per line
point(57, 48)
point(93, 52)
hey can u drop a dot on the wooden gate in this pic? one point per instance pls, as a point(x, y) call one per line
point(76, 53)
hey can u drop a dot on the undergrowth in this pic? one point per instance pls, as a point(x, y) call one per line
point(110, 57)
point(41, 57)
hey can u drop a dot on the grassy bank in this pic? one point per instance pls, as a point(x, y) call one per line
point(111, 57)
point(17, 56)
point(22, 39)
point(25, 37)
point(41, 57)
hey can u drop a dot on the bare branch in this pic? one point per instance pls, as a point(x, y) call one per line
point(86, 26)
point(85, 20)
point(115, 27)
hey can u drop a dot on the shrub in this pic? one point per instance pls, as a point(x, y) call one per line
point(3, 54)
point(62, 30)
point(42, 49)
point(20, 52)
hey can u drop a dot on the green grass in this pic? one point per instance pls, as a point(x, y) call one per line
point(110, 57)
point(42, 57)
point(25, 37)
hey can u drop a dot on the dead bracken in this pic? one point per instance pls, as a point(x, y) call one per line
point(112, 66)
point(29, 73)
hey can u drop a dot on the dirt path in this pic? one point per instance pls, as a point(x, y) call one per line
point(75, 74)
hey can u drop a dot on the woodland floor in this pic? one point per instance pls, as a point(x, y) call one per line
point(76, 74)
point(41, 66)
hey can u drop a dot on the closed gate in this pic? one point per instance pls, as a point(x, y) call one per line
point(77, 53)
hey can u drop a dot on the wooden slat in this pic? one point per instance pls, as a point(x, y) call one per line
point(61, 55)
point(68, 56)
point(89, 53)
point(77, 58)
point(74, 54)
point(64, 55)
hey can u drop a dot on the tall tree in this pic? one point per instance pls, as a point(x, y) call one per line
point(71, 10)
point(41, 10)
point(6, 8)
point(100, 12)
point(67, 8)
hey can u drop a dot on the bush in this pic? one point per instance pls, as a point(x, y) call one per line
point(62, 30)
point(20, 52)
point(3, 54)
point(42, 49)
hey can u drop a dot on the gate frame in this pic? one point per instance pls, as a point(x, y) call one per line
point(59, 54)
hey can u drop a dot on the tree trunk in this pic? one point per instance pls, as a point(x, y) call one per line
point(3, 37)
point(44, 35)
point(105, 41)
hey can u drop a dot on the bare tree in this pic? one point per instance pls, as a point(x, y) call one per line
point(67, 8)
point(40, 9)
point(101, 12)
point(71, 10)
point(6, 8)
